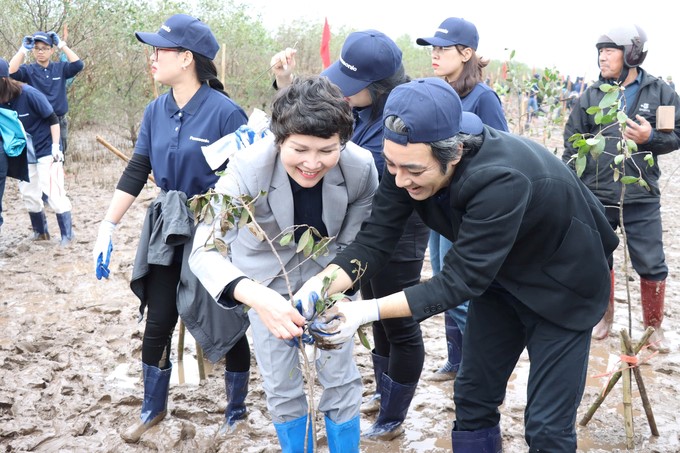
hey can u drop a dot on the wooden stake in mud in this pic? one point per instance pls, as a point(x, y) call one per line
point(627, 402)
point(631, 352)
point(613, 380)
point(641, 386)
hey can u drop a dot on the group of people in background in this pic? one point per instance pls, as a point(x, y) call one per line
point(37, 92)
point(388, 167)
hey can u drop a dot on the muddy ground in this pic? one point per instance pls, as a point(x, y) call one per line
point(70, 347)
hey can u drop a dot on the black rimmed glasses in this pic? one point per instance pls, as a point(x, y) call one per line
point(440, 50)
point(165, 49)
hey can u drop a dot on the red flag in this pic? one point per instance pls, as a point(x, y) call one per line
point(504, 71)
point(325, 50)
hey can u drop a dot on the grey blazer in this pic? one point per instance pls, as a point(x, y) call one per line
point(348, 190)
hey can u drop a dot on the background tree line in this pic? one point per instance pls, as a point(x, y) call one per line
point(116, 84)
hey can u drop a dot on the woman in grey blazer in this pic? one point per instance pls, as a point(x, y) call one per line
point(312, 176)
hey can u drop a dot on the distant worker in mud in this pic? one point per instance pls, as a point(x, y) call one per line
point(48, 76)
point(45, 182)
point(621, 51)
point(536, 277)
point(194, 113)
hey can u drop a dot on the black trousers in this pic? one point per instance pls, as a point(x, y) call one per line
point(162, 316)
point(401, 339)
point(642, 222)
point(498, 329)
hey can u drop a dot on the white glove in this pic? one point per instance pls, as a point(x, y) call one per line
point(102, 249)
point(338, 324)
point(304, 300)
point(57, 155)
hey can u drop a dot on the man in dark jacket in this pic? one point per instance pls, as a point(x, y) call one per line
point(621, 52)
point(530, 252)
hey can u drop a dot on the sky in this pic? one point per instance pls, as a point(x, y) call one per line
point(542, 34)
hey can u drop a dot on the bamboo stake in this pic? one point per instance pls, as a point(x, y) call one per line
point(118, 153)
point(180, 341)
point(641, 386)
point(613, 380)
point(627, 402)
point(199, 359)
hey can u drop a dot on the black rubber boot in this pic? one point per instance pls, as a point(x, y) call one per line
point(395, 399)
point(380, 365)
point(65, 227)
point(39, 224)
point(236, 384)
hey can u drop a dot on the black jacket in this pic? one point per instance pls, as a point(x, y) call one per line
point(599, 175)
point(517, 215)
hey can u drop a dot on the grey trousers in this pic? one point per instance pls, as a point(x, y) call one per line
point(280, 366)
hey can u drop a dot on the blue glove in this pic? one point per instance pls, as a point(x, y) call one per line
point(102, 269)
point(102, 249)
point(54, 37)
point(295, 342)
point(28, 43)
point(305, 299)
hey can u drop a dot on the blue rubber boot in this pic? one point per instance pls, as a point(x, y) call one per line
point(454, 346)
point(343, 437)
point(39, 224)
point(292, 436)
point(380, 365)
point(394, 402)
point(236, 384)
point(486, 440)
point(154, 407)
point(65, 227)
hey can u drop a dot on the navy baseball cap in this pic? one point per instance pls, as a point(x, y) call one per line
point(431, 111)
point(367, 56)
point(42, 36)
point(451, 32)
point(4, 68)
point(183, 31)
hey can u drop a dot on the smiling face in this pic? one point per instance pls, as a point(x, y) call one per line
point(415, 169)
point(611, 62)
point(307, 158)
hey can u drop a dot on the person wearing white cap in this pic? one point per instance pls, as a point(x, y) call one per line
point(44, 156)
point(369, 67)
point(536, 277)
point(194, 113)
point(455, 59)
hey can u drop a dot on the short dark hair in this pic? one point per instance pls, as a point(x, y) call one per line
point(446, 150)
point(311, 106)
